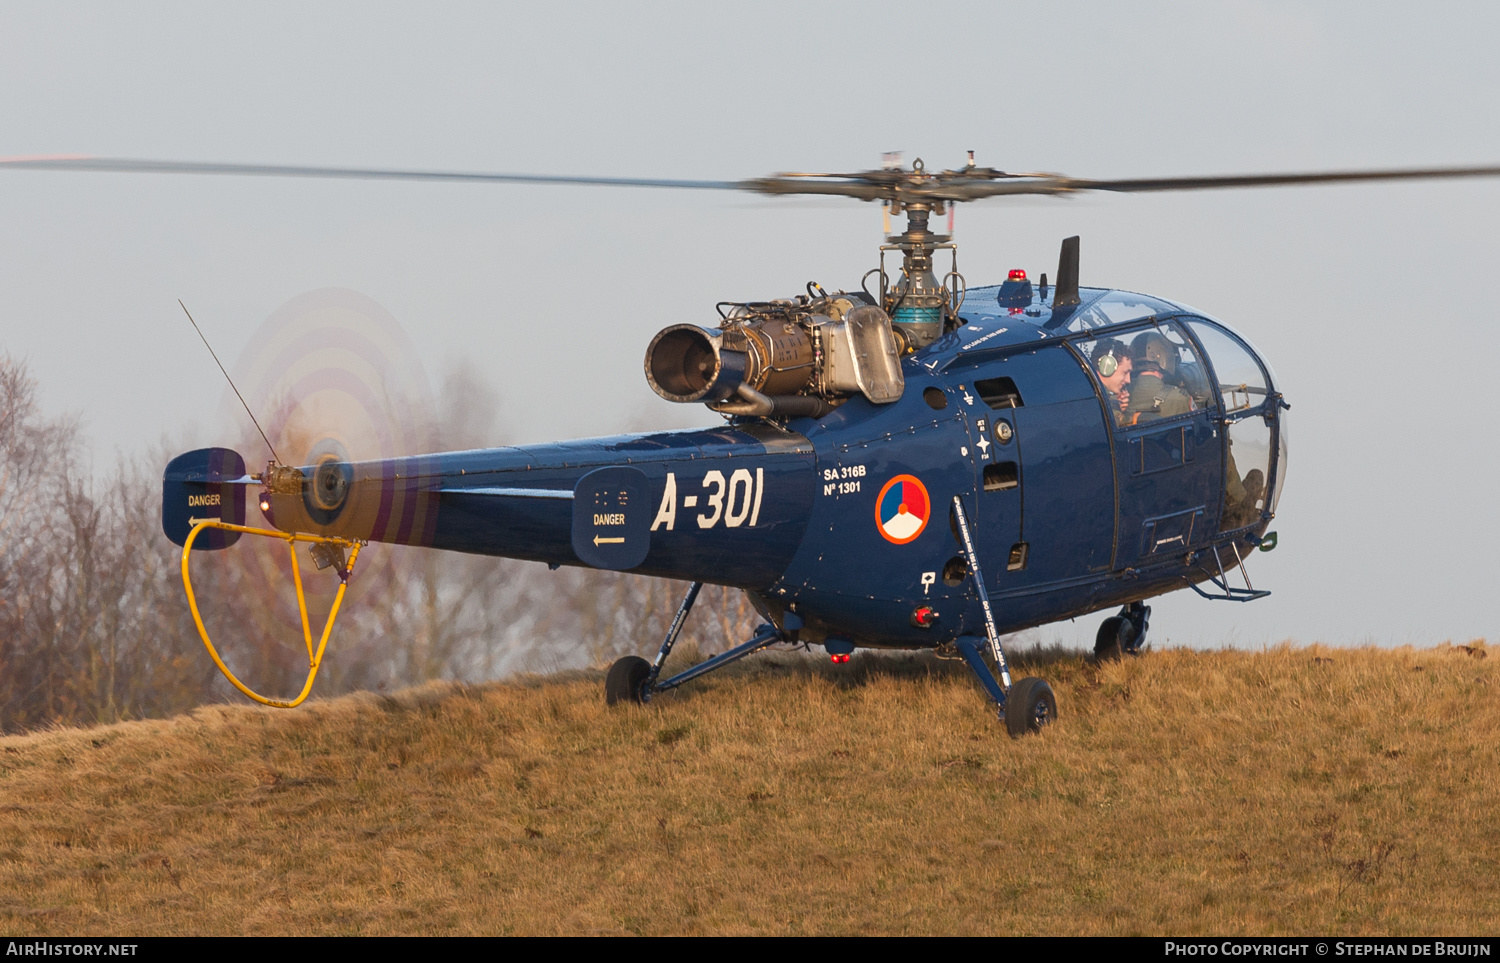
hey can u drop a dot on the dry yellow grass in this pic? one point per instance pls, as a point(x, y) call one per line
point(1296, 790)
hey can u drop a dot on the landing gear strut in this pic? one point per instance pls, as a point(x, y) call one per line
point(633, 679)
point(1123, 634)
point(1025, 706)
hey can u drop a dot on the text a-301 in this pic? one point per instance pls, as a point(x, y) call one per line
point(735, 500)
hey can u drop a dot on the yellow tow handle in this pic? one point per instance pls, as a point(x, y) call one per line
point(315, 659)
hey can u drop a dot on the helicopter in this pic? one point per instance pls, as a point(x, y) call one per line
point(909, 463)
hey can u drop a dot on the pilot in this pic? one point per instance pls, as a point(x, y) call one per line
point(1152, 396)
point(1155, 346)
point(1112, 363)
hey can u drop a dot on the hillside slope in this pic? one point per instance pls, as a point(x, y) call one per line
point(1288, 791)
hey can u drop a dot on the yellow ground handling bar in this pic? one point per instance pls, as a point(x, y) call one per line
point(315, 659)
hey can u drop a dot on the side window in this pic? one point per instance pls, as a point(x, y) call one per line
point(1148, 375)
point(1168, 378)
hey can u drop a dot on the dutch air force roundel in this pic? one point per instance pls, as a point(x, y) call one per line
point(902, 510)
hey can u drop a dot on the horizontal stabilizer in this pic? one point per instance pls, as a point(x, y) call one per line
point(510, 492)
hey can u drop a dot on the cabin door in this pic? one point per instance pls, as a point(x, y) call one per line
point(1044, 478)
point(1167, 443)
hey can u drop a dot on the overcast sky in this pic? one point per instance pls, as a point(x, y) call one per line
point(1373, 303)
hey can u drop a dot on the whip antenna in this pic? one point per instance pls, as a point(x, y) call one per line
point(231, 382)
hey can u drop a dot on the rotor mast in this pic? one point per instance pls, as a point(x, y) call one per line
point(922, 304)
point(919, 304)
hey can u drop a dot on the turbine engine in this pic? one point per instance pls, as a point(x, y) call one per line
point(798, 357)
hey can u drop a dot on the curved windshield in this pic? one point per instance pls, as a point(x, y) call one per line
point(1242, 381)
point(1281, 444)
point(1239, 336)
point(1244, 392)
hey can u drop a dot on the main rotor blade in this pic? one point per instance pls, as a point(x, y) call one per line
point(974, 185)
point(119, 165)
point(890, 185)
point(1063, 185)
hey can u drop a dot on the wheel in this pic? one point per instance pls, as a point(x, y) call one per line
point(1115, 638)
point(625, 679)
point(1029, 705)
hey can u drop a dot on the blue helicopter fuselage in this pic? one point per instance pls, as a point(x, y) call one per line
point(846, 520)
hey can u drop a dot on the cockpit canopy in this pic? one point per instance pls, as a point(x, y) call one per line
point(1155, 360)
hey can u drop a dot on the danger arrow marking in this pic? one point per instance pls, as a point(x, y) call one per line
point(601, 540)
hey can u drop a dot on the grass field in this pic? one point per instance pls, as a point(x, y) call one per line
point(1295, 790)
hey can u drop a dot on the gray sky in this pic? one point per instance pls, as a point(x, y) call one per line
point(1371, 302)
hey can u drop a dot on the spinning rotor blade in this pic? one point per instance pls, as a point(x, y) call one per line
point(119, 165)
point(907, 186)
point(1060, 185)
point(332, 376)
point(971, 184)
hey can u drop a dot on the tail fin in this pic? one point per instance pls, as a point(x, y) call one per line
point(207, 483)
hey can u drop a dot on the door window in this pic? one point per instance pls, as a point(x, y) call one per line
point(1148, 375)
point(1168, 377)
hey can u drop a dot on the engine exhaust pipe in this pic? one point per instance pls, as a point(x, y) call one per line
point(687, 363)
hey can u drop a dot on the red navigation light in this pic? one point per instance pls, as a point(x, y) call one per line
point(1016, 274)
point(924, 616)
point(839, 658)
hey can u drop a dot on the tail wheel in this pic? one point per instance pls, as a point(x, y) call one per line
point(626, 680)
point(1029, 706)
